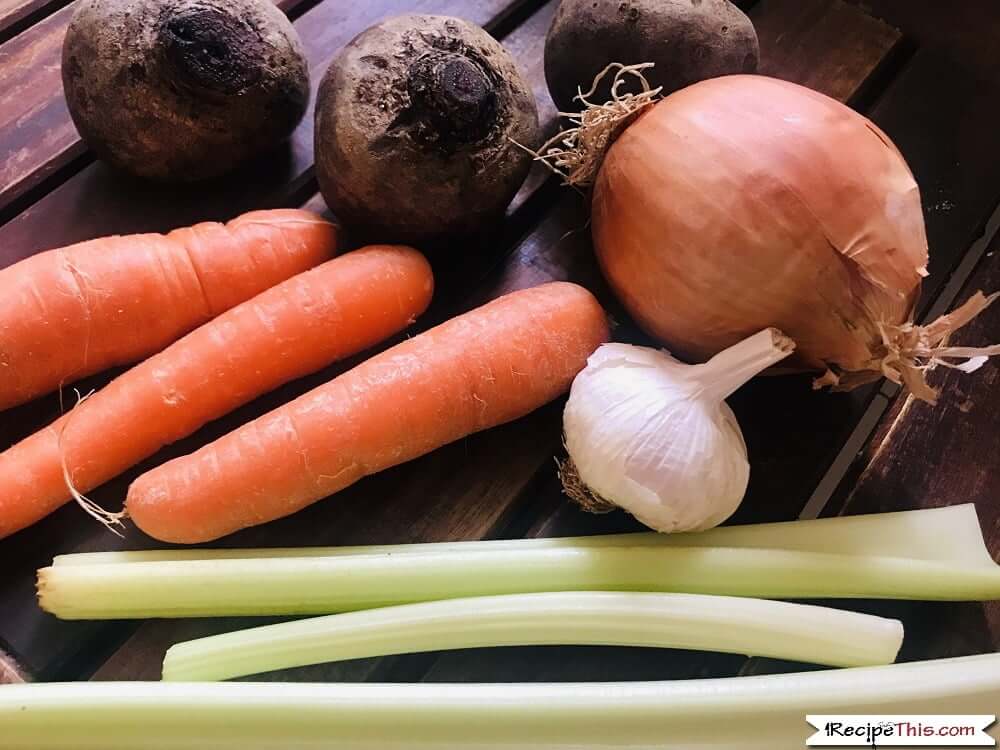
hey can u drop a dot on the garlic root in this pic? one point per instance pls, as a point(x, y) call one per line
point(577, 490)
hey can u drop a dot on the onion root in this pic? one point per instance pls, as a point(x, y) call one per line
point(576, 154)
point(911, 351)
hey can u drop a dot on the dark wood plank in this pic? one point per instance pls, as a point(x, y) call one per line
point(794, 33)
point(575, 664)
point(959, 30)
point(937, 113)
point(444, 502)
point(37, 137)
point(11, 9)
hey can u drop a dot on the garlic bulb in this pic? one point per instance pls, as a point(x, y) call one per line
point(650, 434)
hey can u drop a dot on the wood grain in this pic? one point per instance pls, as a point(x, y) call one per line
point(792, 33)
point(36, 134)
point(16, 15)
point(10, 672)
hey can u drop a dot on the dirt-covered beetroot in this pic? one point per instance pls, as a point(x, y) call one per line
point(687, 40)
point(182, 89)
point(416, 120)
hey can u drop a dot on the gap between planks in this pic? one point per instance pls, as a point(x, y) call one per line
point(20, 15)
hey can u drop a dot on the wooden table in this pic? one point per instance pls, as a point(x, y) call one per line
point(812, 453)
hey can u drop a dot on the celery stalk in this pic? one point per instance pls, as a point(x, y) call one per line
point(742, 713)
point(322, 585)
point(781, 630)
point(951, 533)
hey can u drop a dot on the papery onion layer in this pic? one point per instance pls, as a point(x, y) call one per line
point(745, 202)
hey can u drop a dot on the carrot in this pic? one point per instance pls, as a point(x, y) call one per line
point(296, 327)
point(481, 369)
point(77, 310)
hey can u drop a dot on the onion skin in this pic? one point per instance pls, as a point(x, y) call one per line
point(745, 202)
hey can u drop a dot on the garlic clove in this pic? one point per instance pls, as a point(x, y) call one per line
point(693, 470)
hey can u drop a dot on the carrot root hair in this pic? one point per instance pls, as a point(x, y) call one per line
point(111, 521)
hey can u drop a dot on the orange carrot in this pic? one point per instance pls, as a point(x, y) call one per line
point(481, 369)
point(297, 327)
point(77, 310)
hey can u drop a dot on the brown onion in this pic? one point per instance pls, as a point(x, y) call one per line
point(745, 202)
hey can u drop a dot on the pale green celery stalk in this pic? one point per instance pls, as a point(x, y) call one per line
point(756, 627)
point(323, 585)
point(736, 713)
point(950, 533)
